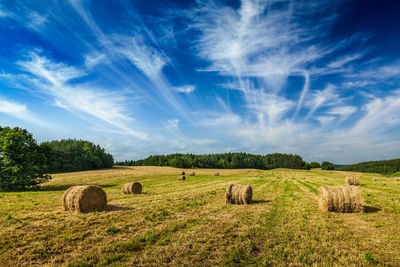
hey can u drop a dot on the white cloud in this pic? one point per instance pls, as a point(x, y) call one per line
point(35, 21)
point(19, 111)
point(343, 60)
point(54, 79)
point(185, 89)
point(319, 98)
point(380, 114)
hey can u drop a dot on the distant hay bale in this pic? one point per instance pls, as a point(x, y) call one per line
point(84, 198)
point(132, 188)
point(239, 194)
point(216, 174)
point(340, 199)
point(397, 179)
point(303, 178)
point(293, 177)
point(182, 178)
point(192, 174)
point(181, 173)
point(325, 178)
point(374, 179)
point(352, 180)
point(278, 177)
point(261, 176)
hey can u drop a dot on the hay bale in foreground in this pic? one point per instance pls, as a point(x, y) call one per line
point(181, 173)
point(239, 194)
point(132, 188)
point(352, 180)
point(397, 179)
point(216, 174)
point(340, 199)
point(192, 174)
point(84, 198)
point(182, 178)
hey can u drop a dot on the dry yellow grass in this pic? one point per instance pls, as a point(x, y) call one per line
point(174, 223)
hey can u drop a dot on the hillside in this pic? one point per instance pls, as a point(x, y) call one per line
point(380, 166)
point(188, 223)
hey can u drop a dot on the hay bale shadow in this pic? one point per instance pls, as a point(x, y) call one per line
point(111, 207)
point(369, 209)
point(260, 201)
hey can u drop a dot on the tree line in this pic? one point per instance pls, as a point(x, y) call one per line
point(26, 163)
point(380, 166)
point(223, 161)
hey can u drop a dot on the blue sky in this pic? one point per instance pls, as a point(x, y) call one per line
point(315, 78)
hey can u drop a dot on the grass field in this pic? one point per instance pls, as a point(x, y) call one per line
point(188, 223)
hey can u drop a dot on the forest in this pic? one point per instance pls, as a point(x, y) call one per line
point(77, 155)
point(223, 161)
point(380, 166)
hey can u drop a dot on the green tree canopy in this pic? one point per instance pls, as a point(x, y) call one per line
point(77, 155)
point(223, 161)
point(23, 163)
point(327, 166)
point(315, 164)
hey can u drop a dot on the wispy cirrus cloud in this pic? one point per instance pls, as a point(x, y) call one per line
point(20, 111)
point(53, 79)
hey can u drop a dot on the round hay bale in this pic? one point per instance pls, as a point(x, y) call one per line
point(84, 198)
point(181, 173)
point(303, 178)
point(374, 179)
point(239, 194)
point(132, 188)
point(182, 178)
point(192, 174)
point(216, 174)
point(397, 179)
point(352, 180)
point(293, 177)
point(340, 199)
point(325, 178)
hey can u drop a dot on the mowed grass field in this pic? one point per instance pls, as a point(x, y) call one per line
point(188, 223)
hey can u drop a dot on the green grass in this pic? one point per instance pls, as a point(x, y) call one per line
point(188, 223)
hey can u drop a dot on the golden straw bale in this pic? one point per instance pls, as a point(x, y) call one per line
point(192, 174)
point(216, 174)
point(397, 179)
point(352, 180)
point(239, 194)
point(182, 178)
point(325, 178)
point(84, 198)
point(132, 188)
point(181, 173)
point(340, 199)
point(374, 179)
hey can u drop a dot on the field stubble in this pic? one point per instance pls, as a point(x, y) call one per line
point(188, 222)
